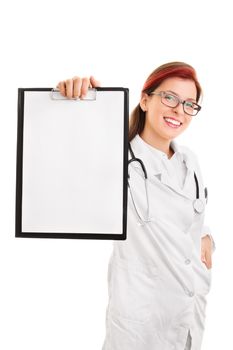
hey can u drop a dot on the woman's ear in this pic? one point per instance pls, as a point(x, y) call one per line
point(143, 101)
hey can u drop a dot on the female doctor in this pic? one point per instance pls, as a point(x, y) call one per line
point(159, 277)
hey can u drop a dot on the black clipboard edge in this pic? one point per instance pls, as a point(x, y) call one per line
point(19, 172)
point(19, 164)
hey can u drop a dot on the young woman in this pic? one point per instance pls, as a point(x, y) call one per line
point(159, 277)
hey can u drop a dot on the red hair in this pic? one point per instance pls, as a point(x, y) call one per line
point(168, 70)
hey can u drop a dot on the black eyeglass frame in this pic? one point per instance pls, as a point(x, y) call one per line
point(179, 100)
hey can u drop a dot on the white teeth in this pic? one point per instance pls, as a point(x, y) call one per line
point(175, 122)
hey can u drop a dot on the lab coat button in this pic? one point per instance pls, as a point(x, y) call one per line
point(189, 293)
point(187, 261)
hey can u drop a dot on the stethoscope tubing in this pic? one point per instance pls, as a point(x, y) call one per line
point(197, 203)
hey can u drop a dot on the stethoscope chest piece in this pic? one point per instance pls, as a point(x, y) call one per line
point(198, 206)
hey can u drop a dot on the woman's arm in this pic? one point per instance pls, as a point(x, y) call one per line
point(207, 241)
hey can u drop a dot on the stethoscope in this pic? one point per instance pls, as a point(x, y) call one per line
point(198, 204)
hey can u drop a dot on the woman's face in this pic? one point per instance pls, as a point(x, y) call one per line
point(157, 114)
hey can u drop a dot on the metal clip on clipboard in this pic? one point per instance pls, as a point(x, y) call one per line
point(67, 212)
point(90, 96)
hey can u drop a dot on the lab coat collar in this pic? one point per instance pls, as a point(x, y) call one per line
point(163, 156)
point(184, 153)
point(154, 163)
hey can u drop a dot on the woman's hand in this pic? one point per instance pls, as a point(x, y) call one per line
point(77, 87)
point(206, 251)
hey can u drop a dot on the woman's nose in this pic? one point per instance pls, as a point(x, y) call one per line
point(178, 109)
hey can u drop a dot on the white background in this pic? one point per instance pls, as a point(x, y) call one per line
point(53, 293)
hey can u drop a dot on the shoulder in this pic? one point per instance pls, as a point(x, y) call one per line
point(191, 160)
point(188, 151)
point(184, 150)
point(190, 156)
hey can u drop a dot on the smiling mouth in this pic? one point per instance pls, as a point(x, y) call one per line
point(172, 122)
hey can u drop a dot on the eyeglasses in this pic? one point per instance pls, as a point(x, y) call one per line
point(170, 100)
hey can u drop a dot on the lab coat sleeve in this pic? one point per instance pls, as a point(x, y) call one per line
point(205, 229)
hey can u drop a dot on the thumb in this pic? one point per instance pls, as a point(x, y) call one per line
point(94, 82)
point(203, 257)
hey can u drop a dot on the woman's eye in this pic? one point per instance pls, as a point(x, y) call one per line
point(189, 104)
point(170, 97)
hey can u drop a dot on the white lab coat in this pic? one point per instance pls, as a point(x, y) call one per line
point(157, 281)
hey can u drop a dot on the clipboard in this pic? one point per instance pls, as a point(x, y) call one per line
point(72, 164)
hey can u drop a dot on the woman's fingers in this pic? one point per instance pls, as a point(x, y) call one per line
point(77, 84)
point(77, 87)
point(208, 259)
point(85, 86)
point(203, 257)
point(94, 82)
point(62, 88)
point(69, 88)
point(206, 251)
